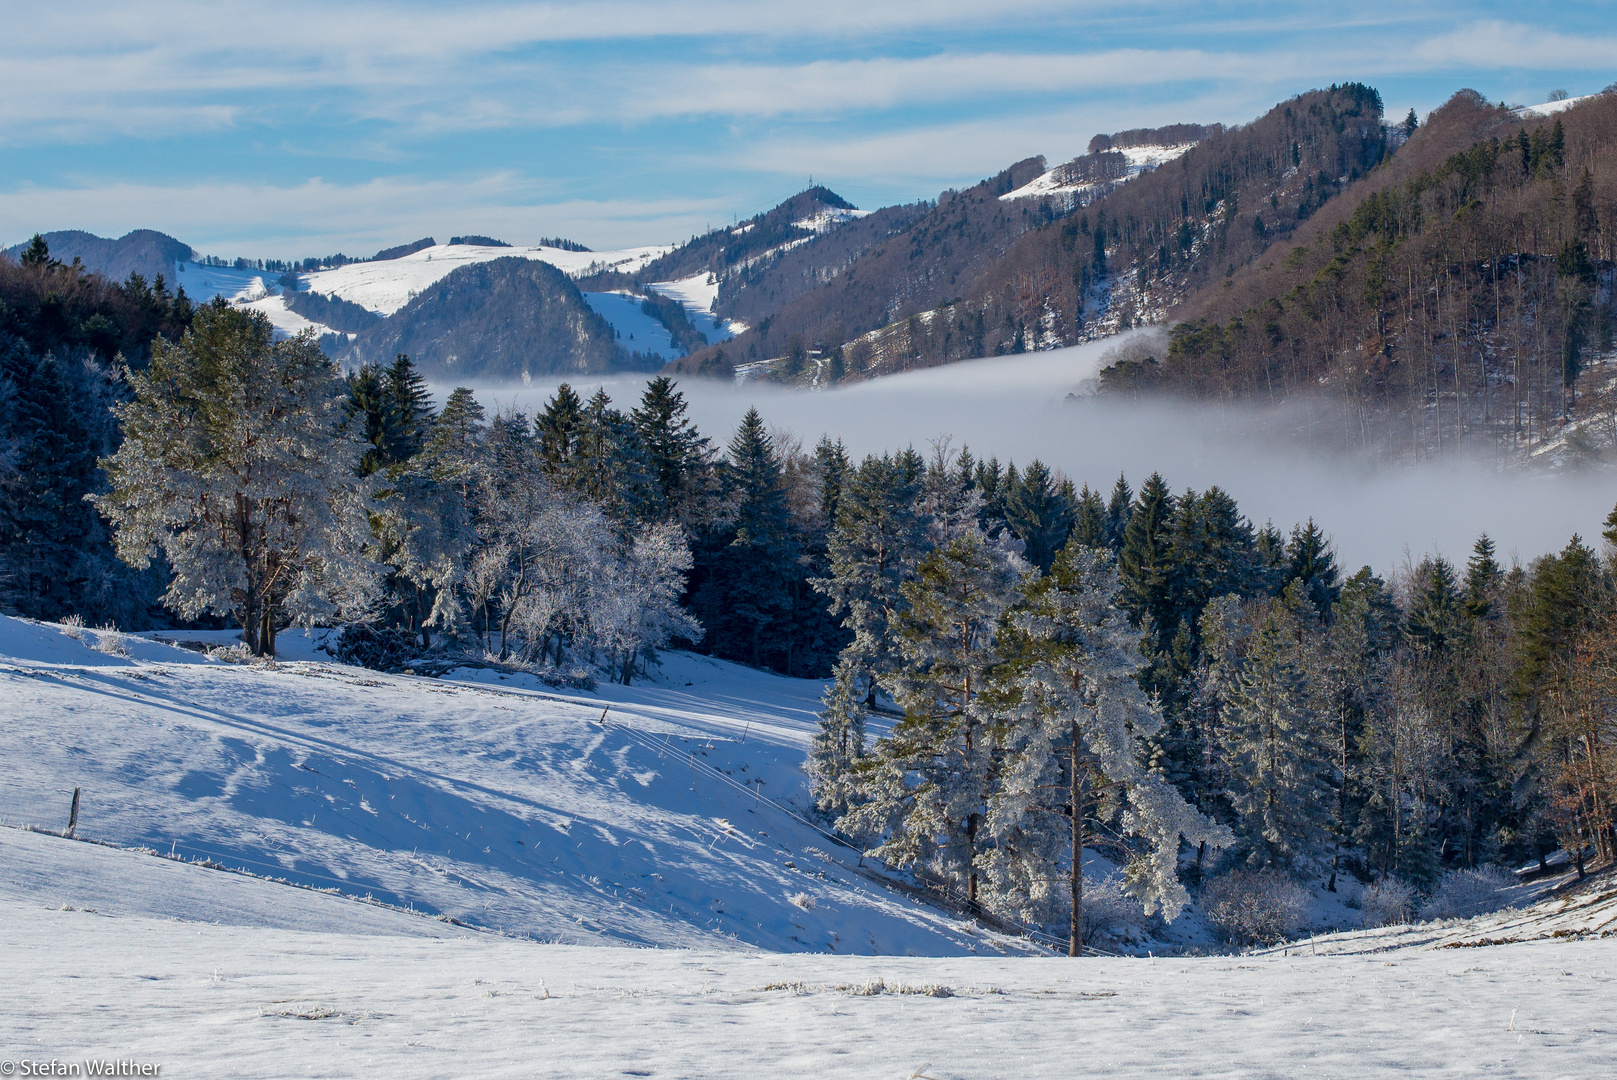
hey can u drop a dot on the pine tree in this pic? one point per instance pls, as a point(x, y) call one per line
point(234, 464)
point(1118, 512)
point(1482, 578)
point(1089, 520)
point(1312, 562)
point(558, 430)
point(1038, 514)
point(1070, 720)
point(923, 789)
point(747, 602)
point(678, 458)
point(1144, 564)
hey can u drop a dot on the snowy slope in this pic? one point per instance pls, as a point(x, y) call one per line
point(1054, 181)
point(203, 283)
point(1549, 108)
point(700, 294)
point(354, 998)
point(286, 321)
point(637, 331)
point(499, 805)
point(386, 286)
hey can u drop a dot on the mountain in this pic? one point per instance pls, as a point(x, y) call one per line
point(1037, 258)
point(508, 318)
point(144, 252)
point(1461, 295)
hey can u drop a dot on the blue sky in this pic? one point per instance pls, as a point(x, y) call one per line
point(287, 129)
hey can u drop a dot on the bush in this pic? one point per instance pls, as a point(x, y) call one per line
point(1254, 907)
point(1110, 913)
point(1388, 902)
point(1465, 893)
point(389, 649)
point(111, 642)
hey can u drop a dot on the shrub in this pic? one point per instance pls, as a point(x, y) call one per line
point(1388, 902)
point(1254, 907)
point(389, 649)
point(111, 642)
point(1464, 893)
point(73, 627)
point(1108, 909)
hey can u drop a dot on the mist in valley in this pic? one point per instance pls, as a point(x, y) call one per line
point(1281, 466)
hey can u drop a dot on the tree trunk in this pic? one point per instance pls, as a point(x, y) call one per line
point(1075, 936)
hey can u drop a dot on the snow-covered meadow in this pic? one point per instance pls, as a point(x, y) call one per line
point(472, 870)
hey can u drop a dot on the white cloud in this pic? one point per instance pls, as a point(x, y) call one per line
point(317, 217)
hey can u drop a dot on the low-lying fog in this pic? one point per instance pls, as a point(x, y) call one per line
point(1019, 408)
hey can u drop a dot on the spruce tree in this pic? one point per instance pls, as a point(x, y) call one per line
point(1311, 561)
point(1118, 512)
point(923, 790)
point(1039, 514)
point(747, 603)
point(1272, 752)
point(558, 431)
point(1145, 567)
point(678, 458)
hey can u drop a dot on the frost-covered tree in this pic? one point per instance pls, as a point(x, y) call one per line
point(1070, 722)
point(634, 609)
point(923, 790)
point(236, 466)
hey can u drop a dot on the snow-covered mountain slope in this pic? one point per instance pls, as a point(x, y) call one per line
point(637, 331)
point(1550, 108)
point(1060, 180)
point(648, 815)
point(699, 294)
point(203, 283)
point(387, 285)
point(328, 987)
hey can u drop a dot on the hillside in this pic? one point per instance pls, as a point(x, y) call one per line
point(1037, 258)
point(143, 251)
point(1457, 298)
point(509, 318)
point(655, 815)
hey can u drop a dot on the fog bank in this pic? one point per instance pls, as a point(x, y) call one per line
point(1018, 408)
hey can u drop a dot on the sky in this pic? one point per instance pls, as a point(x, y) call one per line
point(290, 129)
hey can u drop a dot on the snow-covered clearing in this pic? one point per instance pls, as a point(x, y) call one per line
point(387, 285)
point(355, 991)
point(203, 283)
point(637, 331)
point(502, 805)
point(569, 840)
point(1055, 181)
point(287, 323)
point(1549, 108)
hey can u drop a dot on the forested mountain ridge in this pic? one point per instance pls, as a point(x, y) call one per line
point(511, 318)
point(144, 251)
point(980, 275)
point(1454, 298)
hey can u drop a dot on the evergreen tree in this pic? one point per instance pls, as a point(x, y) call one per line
point(746, 603)
point(678, 458)
point(1482, 579)
point(558, 429)
point(1118, 512)
point(923, 790)
point(1312, 562)
point(1070, 720)
point(1144, 564)
point(1039, 514)
point(1272, 752)
point(1089, 520)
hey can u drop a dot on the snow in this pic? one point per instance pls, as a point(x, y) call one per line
point(203, 283)
point(1140, 159)
point(386, 286)
point(568, 841)
point(700, 294)
point(637, 331)
point(1549, 108)
point(479, 796)
point(829, 218)
point(286, 322)
point(356, 993)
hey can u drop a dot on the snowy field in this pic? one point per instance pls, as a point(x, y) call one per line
point(471, 871)
point(276, 981)
point(387, 285)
